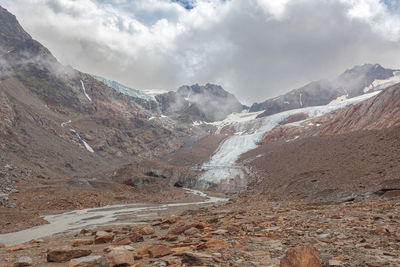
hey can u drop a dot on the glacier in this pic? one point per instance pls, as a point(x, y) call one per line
point(222, 165)
point(125, 90)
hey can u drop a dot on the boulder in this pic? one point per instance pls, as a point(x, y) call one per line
point(88, 261)
point(3, 199)
point(22, 247)
point(147, 230)
point(170, 237)
point(303, 256)
point(103, 237)
point(179, 229)
point(23, 261)
point(120, 256)
point(82, 242)
point(123, 241)
point(199, 259)
point(158, 251)
point(143, 252)
point(66, 254)
point(192, 231)
point(136, 237)
point(171, 219)
point(213, 243)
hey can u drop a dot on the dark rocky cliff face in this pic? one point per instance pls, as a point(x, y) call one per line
point(351, 83)
point(39, 94)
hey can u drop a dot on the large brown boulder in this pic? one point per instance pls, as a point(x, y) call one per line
point(104, 237)
point(66, 254)
point(120, 256)
point(301, 257)
point(158, 251)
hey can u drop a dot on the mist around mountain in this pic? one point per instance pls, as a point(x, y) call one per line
point(206, 103)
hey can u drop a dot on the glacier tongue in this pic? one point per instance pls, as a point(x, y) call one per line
point(222, 165)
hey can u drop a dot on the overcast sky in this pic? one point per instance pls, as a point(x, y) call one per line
point(255, 49)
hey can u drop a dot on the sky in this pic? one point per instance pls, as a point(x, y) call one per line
point(256, 49)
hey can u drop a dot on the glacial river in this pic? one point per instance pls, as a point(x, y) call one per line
point(73, 221)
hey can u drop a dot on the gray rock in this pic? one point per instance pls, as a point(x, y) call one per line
point(3, 199)
point(335, 263)
point(11, 205)
point(23, 261)
point(323, 236)
point(89, 261)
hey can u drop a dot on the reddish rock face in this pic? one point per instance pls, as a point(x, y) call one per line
point(102, 238)
point(66, 254)
point(300, 257)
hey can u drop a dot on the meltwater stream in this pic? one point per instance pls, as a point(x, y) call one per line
point(75, 220)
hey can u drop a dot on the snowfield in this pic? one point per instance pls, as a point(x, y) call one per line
point(222, 165)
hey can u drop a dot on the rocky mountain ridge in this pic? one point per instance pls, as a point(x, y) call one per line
point(206, 103)
point(353, 82)
point(59, 121)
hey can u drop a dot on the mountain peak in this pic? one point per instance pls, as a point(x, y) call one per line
point(366, 68)
point(10, 30)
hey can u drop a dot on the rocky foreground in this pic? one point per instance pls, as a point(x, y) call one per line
point(239, 233)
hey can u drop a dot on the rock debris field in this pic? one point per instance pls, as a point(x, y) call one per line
point(244, 232)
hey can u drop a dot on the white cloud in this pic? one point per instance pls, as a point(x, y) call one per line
point(255, 49)
point(377, 15)
point(275, 8)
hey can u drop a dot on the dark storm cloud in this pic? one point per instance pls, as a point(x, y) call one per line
point(255, 49)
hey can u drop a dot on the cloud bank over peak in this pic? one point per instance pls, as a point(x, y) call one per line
point(255, 49)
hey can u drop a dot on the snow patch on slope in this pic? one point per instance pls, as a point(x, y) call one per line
point(222, 165)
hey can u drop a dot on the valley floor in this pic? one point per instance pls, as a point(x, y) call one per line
point(245, 232)
point(40, 197)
